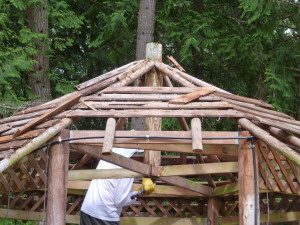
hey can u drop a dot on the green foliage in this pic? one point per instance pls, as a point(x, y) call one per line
point(17, 222)
point(247, 47)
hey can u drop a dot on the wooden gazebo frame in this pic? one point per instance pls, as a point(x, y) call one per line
point(247, 177)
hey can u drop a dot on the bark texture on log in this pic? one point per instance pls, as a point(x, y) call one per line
point(38, 79)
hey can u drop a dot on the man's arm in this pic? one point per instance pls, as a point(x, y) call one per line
point(123, 192)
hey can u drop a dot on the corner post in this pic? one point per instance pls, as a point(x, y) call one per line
point(247, 206)
point(57, 180)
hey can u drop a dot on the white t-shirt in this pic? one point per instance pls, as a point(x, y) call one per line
point(105, 198)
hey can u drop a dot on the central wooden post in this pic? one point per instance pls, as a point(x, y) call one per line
point(153, 79)
point(213, 205)
point(247, 215)
point(57, 181)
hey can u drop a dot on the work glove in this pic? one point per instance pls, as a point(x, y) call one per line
point(147, 185)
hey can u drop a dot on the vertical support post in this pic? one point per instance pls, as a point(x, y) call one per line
point(247, 206)
point(213, 205)
point(57, 180)
point(109, 136)
point(153, 79)
point(196, 135)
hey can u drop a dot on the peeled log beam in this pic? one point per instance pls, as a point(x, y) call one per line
point(167, 81)
point(109, 136)
point(130, 78)
point(196, 135)
point(281, 125)
point(285, 137)
point(106, 76)
point(152, 105)
point(5, 127)
point(189, 78)
point(152, 113)
point(244, 99)
point(34, 144)
point(99, 86)
point(22, 117)
point(270, 140)
point(150, 90)
point(174, 76)
point(255, 107)
point(142, 97)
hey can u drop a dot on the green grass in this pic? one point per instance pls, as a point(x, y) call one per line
point(17, 222)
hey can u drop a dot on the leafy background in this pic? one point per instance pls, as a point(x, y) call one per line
point(247, 47)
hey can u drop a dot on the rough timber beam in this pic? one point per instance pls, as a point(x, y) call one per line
point(142, 168)
point(114, 158)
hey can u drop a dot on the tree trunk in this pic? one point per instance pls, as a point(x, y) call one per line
point(38, 79)
point(198, 56)
point(145, 34)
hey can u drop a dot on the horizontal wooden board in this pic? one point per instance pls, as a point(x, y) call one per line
point(197, 169)
point(101, 174)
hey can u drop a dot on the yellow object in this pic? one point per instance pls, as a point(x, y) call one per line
point(148, 185)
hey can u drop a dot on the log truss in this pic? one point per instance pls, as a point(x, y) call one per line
point(211, 159)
